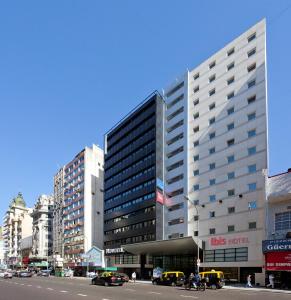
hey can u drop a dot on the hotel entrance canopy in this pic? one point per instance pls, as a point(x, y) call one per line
point(178, 246)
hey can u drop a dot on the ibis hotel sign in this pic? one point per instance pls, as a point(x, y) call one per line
point(276, 245)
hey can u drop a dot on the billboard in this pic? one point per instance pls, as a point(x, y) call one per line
point(278, 261)
point(276, 245)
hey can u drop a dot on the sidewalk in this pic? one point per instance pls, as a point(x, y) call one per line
point(256, 289)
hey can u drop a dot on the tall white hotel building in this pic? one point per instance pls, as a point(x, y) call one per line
point(216, 154)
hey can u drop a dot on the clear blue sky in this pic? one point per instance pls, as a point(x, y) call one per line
point(69, 70)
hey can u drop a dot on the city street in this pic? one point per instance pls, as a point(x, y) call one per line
point(65, 289)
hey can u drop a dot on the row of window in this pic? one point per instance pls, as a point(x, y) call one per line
point(176, 221)
point(230, 175)
point(250, 133)
point(229, 81)
point(140, 225)
point(74, 165)
point(133, 214)
point(230, 193)
point(230, 159)
point(283, 221)
point(130, 203)
point(130, 191)
point(230, 254)
point(231, 228)
point(129, 240)
point(131, 167)
point(130, 179)
point(230, 52)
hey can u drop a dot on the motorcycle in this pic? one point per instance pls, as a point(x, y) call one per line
point(198, 286)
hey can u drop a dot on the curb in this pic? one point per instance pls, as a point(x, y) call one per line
point(257, 289)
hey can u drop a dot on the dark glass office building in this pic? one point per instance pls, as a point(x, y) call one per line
point(133, 162)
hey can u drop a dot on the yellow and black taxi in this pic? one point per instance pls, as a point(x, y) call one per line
point(173, 278)
point(108, 278)
point(213, 279)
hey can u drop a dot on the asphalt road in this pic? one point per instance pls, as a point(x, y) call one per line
point(72, 289)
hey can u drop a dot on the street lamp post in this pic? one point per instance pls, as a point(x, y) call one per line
point(197, 242)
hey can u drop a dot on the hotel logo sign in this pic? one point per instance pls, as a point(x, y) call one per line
point(221, 241)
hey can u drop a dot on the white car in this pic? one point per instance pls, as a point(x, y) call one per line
point(5, 274)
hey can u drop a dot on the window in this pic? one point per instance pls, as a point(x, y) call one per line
point(252, 52)
point(196, 172)
point(212, 78)
point(196, 129)
point(251, 67)
point(212, 166)
point(212, 92)
point(230, 142)
point(251, 116)
point(211, 230)
point(196, 76)
point(252, 186)
point(252, 150)
point(251, 37)
point(252, 205)
point(230, 159)
point(212, 214)
point(175, 152)
point(212, 150)
point(230, 175)
point(283, 221)
point(176, 221)
point(196, 143)
point(252, 225)
point(230, 66)
point(230, 95)
point(175, 126)
point(196, 202)
point(212, 181)
point(175, 179)
point(212, 106)
point(230, 126)
point(212, 120)
point(196, 102)
point(212, 65)
point(175, 89)
point(196, 218)
point(212, 135)
point(175, 101)
point(252, 168)
point(196, 187)
point(230, 110)
point(231, 210)
point(212, 198)
point(195, 233)
point(176, 206)
point(251, 83)
point(175, 165)
point(227, 255)
point(230, 228)
point(175, 139)
point(230, 52)
point(196, 89)
point(196, 157)
point(252, 99)
point(230, 193)
point(230, 80)
point(252, 133)
point(196, 116)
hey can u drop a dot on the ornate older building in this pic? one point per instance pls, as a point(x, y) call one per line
point(17, 225)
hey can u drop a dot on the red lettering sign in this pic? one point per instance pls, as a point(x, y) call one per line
point(159, 197)
point(220, 241)
point(217, 241)
point(278, 261)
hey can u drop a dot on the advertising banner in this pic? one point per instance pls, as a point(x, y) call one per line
point(278, 261)
point(276, 245)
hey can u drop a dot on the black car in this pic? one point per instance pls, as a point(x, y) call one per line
point(108, 278)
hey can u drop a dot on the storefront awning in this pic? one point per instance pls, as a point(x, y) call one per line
point(178, 246)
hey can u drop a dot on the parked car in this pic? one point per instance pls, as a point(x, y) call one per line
point(214, 279)
point(5, 274)
point(108, 278)
point(44, 273)
point(68, 272)
point(25, 274)
point(124, 277)
point(173, 278)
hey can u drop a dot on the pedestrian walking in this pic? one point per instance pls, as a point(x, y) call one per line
point(133, 276)
point(271, 281)
point(249, 281)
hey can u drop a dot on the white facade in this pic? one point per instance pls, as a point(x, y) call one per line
point(216, 136)
point(1, 247)
point(83, 203)
point(17, 225)
point(42, 242)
